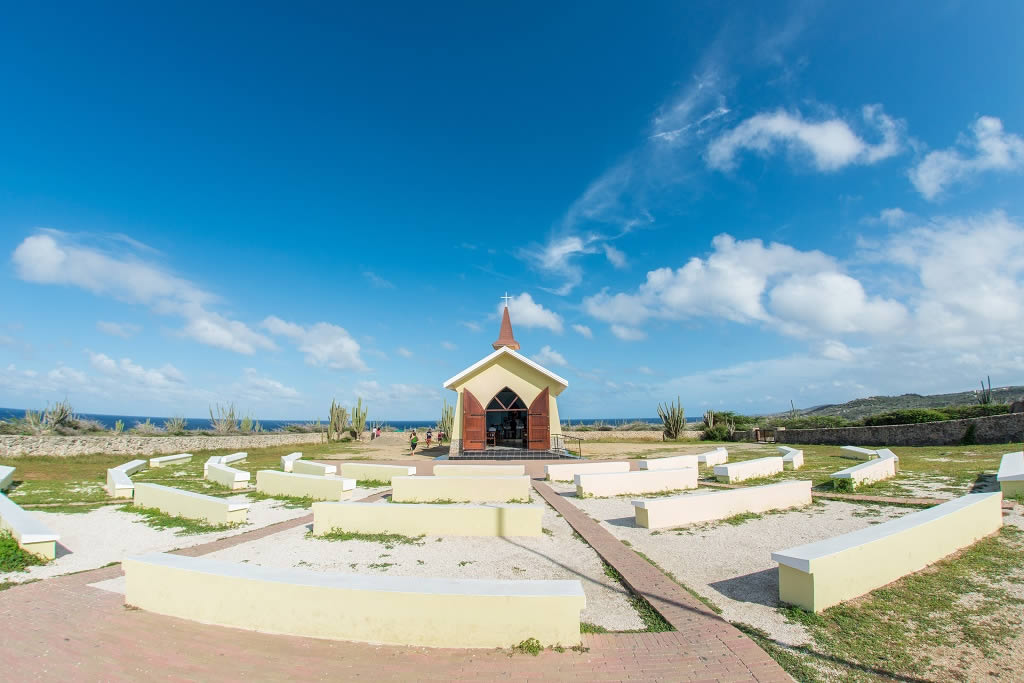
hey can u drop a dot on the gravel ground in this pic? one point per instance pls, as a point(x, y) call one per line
point(550, 556)
point(94, 539)
point(732, 565)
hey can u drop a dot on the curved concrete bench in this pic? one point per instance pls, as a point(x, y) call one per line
point(315, 468)
point(426, 519)
point(748, 469)
point(635, 483)
point(165, 460)
point(479, 470)
point(288, 460)
point(568, 471)
point(818, 575)
point(674, 462)
point(190, 505)
point(233, 457)
point(707, 506)
point(395, 610)
point(31, 534)
point(212, 460)
point(460, 489)
point(1011, 474)
point(369, 471)
point(274, 483)
point(857, 453)
point(719, 456)
point(119, 483)
point(6, 477)
point(227, 476)
point(878, 469)
point(792, 458)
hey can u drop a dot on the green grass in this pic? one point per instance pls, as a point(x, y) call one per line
point(789, 659)
point(289, 501)
point(530, 646)
point(388, 540)
point(383, 566)
point(14, 558)
point(373, 483)
point(653, 621)
point(962, 603)
point(741, 518)
point(587, 627)
point(185, 526)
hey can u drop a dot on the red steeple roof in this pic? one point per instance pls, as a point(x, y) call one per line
point(505, 337)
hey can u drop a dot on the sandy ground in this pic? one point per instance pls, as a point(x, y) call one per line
point(550, 556)
point(732, 565)
point(97, 538)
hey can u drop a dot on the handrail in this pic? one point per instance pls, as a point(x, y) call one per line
point(558, 441)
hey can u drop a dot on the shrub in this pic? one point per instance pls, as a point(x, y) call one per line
point(225, 421)
point(175, 425)
point(902, 417)
point(720, 432)
point(146, 427)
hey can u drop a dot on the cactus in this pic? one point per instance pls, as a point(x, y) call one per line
point(246, 425)
point(447, 421)
point(358, 418)
point(709, 419)
point(338, 421)
point(119, 427)
point(985, 395)
point(225, 422)
point(673, 419)
point(60, 415)
point(175, 425)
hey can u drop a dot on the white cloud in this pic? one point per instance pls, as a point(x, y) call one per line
point(404, 352)
point(167, 377)
point(991, 149)
point(377, 281)
point(628, 333)
point(54, 257)
point(894, 217)
point(526, 312)
point(125, 330)
point(831, 302)
point(830, 144)
point(644, 370)
point(323, 344)
point(584, 331)
point(448, 346)
point(260, 388)
point(548, 356)
point(615, 256)
point(837, 350)
point(471, 326)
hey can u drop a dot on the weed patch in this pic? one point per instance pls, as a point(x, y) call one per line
point(14, 558)
point(387, 540)
point(185, 526)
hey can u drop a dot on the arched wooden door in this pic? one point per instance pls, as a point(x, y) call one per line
point(474, 423)
point(539, 425)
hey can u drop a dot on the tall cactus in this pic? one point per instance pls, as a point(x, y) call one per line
point(359, 418)
point(985, 397)
point(673, 418)
point(709, 419)
point(447, 421)
point(338, 423)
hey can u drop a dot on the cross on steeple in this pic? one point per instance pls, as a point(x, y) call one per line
point(506, 298)
point(505, 336)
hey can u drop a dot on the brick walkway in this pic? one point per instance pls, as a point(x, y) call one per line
point(63, 629)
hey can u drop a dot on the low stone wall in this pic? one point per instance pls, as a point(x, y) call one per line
point(652, 435)
point(993, 429)
point(141, 445)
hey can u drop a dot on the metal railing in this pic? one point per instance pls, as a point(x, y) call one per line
point(569, 444)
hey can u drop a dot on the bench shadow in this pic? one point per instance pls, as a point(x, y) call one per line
point(984, 483)
point(62, 550)
point(761, 588)
point(621, 521)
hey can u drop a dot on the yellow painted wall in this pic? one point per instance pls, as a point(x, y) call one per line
point(370, 471)
point(426, 519)
point(635, 483)
point(275, 483)
point(479, 470)
point(1012, 488)
point(189, 505)
point(377, 609)
point(462, 489)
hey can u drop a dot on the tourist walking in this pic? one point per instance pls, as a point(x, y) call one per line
point(430, 435)
point(413, 440)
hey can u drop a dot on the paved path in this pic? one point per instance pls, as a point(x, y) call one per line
point(64, 629)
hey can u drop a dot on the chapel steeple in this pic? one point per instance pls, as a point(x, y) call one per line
point(505, 336)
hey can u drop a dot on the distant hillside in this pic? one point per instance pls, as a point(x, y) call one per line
point(862, 407)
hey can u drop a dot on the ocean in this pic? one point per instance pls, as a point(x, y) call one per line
point(201, 423)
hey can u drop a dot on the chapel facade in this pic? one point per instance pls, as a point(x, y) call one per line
point(506, 403)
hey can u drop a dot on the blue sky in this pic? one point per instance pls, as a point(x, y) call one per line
point(277, 206)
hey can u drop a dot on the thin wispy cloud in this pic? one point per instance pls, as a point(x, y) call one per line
point(377, 281)
point(988, 148)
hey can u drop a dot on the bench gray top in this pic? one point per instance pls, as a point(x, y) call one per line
point(192, 494)
point(437, 506)
point(234, 457)
point(742, 463)
point(132, 466)
point(292, 456)
point(346, 485)
point(28, 528)
point(227, 469)
point(540, 588)
point(786, 450)
point(801, 556)
point(867, 465)
point(1011, 467)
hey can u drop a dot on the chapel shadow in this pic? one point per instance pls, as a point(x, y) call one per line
point(760, 588)
point(984, 483)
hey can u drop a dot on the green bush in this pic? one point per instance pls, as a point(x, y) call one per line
point(13, 558)
point(918, 415)
point(812, 422)
point(720, 432)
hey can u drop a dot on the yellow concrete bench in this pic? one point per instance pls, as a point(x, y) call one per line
point(165, 460)
point(818, 575)
point(857, 453)
point(288, 460)
point(792, 458)
point(369, 471)
point(635, 483)
point(674, 462)
point(1011, 474)
point(6, 477)
point(119, 483)
point(719, 456)
point(227, 476)
point(189, 504)
point(233, 457)
point(426, 519)
point(274, 483)
point(391, 610)
point(31, 534)
point(733, 472)
point(568, 471)
point(479, 470)
point(310, 467)
point(707, 506)
point(878, 469)
point(460, 489)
